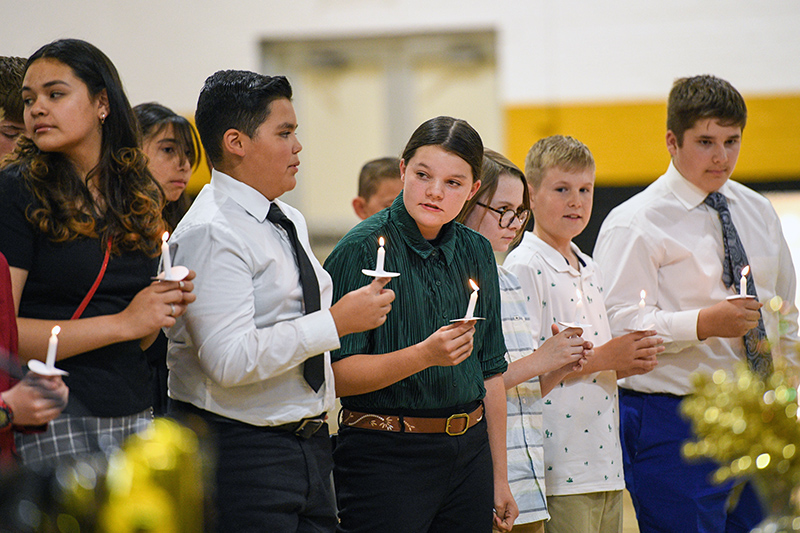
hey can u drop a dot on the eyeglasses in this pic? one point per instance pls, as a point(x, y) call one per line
point(508, 216)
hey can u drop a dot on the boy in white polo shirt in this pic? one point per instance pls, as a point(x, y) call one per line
point(583, 459)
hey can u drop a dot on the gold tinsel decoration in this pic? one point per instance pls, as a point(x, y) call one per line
point(152, 484)
point(749, 425)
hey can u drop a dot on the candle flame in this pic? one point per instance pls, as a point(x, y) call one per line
point(642, 294)
point(474, 285)
point(381, 241)
point(56, 330)
point(745, 271)
point(165, 236)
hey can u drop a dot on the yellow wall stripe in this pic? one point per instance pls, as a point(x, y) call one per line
point(627, 138)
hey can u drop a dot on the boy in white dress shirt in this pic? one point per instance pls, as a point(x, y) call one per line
point(252, 358)
point(668, 240)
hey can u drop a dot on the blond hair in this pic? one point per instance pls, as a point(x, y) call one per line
point(556, 151)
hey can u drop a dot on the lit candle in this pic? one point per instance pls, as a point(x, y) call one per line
point(640, 317)
point(743, 282)
point(166, 261)
point(52, 346)
point(381, 256)
point(473, 299)
point(578, 306)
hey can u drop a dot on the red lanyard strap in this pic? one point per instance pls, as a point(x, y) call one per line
point(88, 297)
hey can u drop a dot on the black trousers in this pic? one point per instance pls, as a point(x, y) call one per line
point(268, 480)
point(400, 482)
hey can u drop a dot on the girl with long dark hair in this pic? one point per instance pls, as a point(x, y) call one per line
point(81, 229)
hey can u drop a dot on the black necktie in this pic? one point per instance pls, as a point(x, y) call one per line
point(314, 367)
point(755, 341)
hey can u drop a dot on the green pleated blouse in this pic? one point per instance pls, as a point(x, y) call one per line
point(433, 288)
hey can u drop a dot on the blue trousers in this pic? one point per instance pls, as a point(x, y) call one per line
point(669, 494)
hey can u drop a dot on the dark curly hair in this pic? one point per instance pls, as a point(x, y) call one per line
point(118, 199)
point(11, 69)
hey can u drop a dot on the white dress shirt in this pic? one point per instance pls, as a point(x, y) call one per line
point(666, 241)
point(239, 349)
point(582, 451)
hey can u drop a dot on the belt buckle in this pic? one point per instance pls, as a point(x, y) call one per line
point(308, 427)
point(457, 416)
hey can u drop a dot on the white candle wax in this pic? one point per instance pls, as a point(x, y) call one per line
point(473, 299)
point(381, 256)
point(578, 306)
point(166, 260)
point(640, 317)
point(743, 282)
point(52, 347)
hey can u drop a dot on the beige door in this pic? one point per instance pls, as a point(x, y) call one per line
point(360, 99)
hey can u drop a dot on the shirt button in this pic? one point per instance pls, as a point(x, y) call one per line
point(438, 282)
point(435, 253)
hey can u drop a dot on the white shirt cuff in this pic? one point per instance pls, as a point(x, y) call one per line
point(684, 325)
point(319, 332)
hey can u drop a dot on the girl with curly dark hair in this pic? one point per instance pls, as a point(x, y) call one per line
point(81, 229)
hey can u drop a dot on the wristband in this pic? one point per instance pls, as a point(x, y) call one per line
point(6, 415)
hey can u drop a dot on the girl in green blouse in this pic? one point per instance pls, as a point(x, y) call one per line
point(421, 445)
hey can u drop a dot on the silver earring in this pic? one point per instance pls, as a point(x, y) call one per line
point(102, 118)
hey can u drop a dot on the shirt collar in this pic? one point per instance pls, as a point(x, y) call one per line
point(554, 258)
point(445, 242)
point(688, 193)
point(252, 201)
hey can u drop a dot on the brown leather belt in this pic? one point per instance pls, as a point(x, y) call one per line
point(453, 425)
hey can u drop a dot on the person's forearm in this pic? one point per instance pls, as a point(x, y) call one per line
point(548, 381)
point(496, 414)
point(522, 370)
point(76, 337)
point(363, 373)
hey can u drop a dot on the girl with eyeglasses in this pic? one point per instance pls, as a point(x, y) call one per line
point(498, 211)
